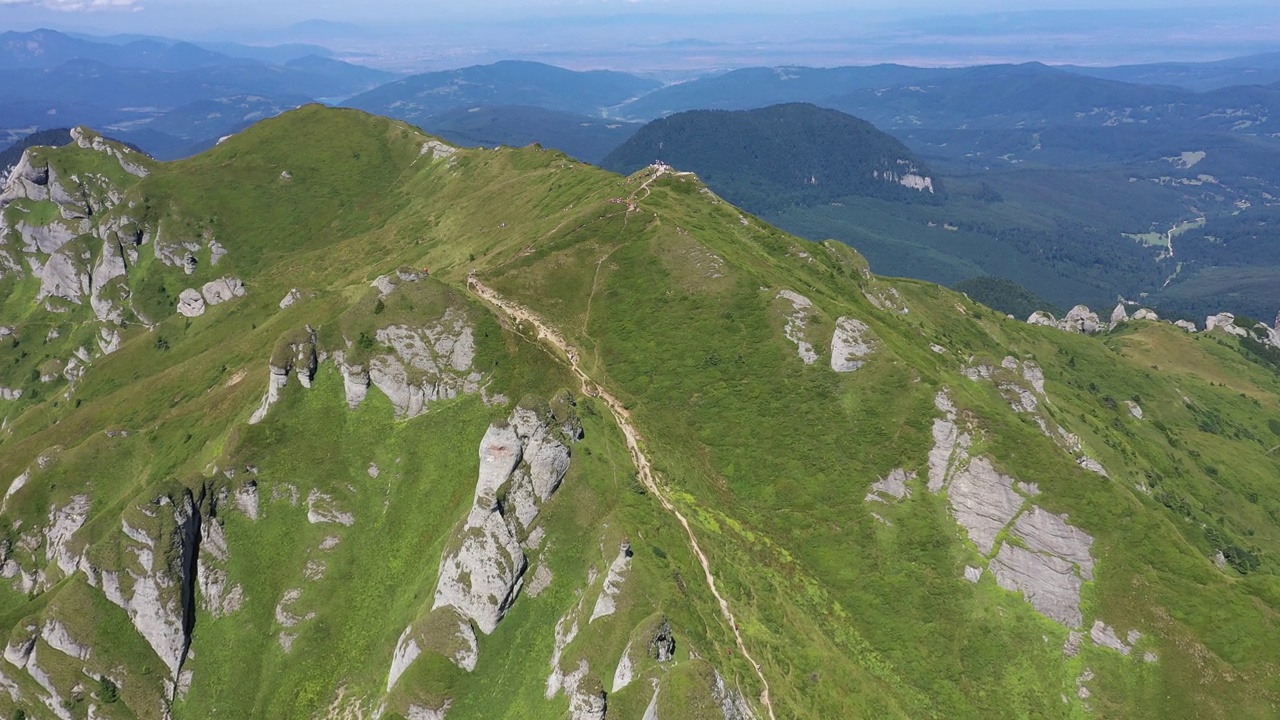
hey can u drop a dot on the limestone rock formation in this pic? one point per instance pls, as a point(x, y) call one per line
point(983, 501)
point(1081, 320)
point(1119, 315)
point(1146, 314)
point(427, 364)
point(605, 604)
point(1226, 322)
point(222, 290)
point(851, 345)
point(190, 303)
point(1186, 325)
point(161, 540)
point(796, 322)
point(1049, 583)
point(1040, 317)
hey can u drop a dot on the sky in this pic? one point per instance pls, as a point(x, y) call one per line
point(412, 35)
point(194, 17)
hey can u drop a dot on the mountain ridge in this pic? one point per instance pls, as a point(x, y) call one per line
point(293, 405)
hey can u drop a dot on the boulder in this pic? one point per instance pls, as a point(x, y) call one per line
point(1186, 325)
point(1119, 315)
point(1145, 314)
point(190, 303)
point(222, 290)
point(1081, 320)
point(1041, 317)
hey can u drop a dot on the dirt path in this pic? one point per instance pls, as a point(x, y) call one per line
point(647, 475)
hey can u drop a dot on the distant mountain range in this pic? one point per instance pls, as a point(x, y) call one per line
point(420, 97)
point(169, 97)
point(581, 136)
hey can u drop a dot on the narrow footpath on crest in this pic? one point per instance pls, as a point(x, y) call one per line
point(622, 416)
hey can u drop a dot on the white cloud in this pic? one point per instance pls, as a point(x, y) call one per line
point(76, 5)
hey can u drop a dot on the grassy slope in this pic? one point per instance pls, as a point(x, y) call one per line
point(769, 457)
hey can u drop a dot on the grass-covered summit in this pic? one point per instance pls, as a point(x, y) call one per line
point(336, 420)
point(776, 157)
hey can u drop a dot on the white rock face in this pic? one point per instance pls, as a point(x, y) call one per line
point(893, 485)
point(18, 651)
point(606, 603)
point(1186, 325)
point(950, 445)
point(418, 712)
point(1105, 636)
point(983, 501)
point(290, 298)
point(625, 673)
point(1045, 532)
point(217, 596)
point(429, 364)
point(1145, 314)
point(480, 578)
point(732, 705)
point(1049, 583)
point(406, 652)
point(222, 290)
point(58, 638)
point(190, 303)
point(355, 380)
point(972, 574)
point(63, 525)
point(796, 322)
point(1119, 315)
point(277, 380)
point(154, 603)
point(851, 345)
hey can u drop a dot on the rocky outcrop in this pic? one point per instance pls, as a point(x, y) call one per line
point(1146, 314)
point(479, 578)
point(1186, 325)
point(851, 345)
point(129, 161)
point(983, 502)
point(950, 444)
point(732, 705)
point(1226, 322)
point(161, 541)
point(1081, 320)
point(295, 354)
point(482, 571)
point(64, 522)
point(1040, 317)
point(796, 323)
point(606, 602)
point(1045, 532)
point(290, 298)
point(355, 381)
point(428, 364)
point(1049, 583)
point(1119, 316)
point(892, 486)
